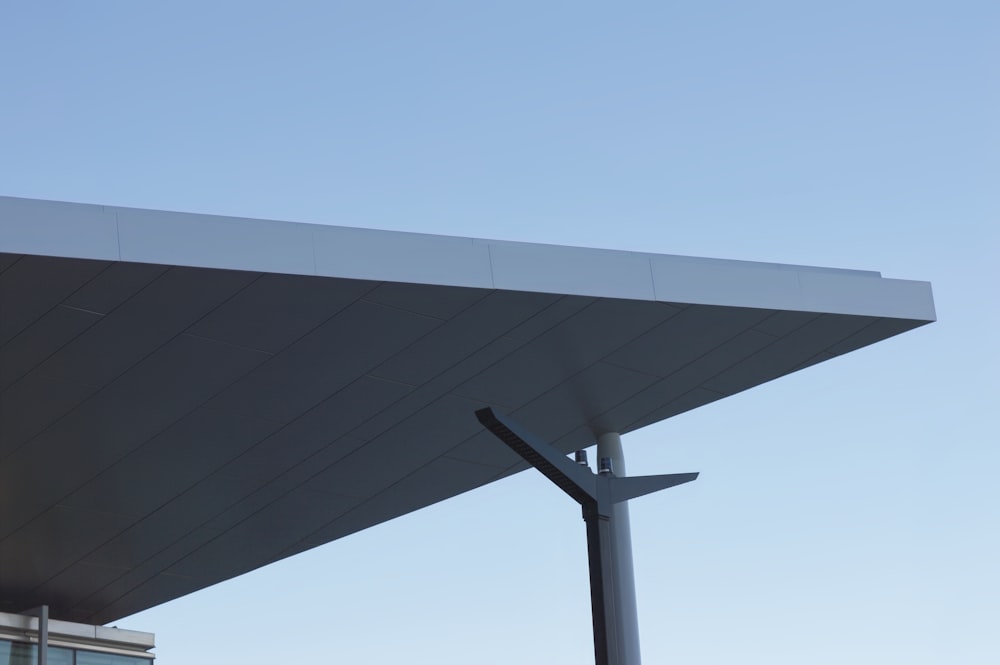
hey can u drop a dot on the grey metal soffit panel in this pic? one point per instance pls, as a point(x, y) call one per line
point(185, 398)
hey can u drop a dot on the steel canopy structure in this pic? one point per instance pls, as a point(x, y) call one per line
point(185, 398)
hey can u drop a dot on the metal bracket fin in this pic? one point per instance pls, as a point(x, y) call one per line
point(630, 487)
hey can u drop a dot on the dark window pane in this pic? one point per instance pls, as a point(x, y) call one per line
point(60, 656)
point(94, 658)
point(18, 653)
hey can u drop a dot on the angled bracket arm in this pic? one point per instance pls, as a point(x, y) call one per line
point(571, 478)
point(577, 481)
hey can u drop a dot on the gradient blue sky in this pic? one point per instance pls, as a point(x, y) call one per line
point(846, 514)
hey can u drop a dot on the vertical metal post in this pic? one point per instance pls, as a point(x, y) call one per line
point(607, 639)
point(43, 635)
point(609, 445)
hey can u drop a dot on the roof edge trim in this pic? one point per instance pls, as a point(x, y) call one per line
point(87, 231)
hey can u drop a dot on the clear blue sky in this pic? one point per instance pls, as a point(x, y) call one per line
point(846, 514)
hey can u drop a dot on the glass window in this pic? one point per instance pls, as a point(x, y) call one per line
point(60, 656)
point(19, 653)
point(94, 658)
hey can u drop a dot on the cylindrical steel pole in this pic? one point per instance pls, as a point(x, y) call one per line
point(609, 445)
point(43, 635)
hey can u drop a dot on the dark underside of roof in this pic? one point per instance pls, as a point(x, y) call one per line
point(166, 428)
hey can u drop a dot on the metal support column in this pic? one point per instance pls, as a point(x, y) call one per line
point(598, 495)
point(609, 446)
point(43, 632)
point(43, 635)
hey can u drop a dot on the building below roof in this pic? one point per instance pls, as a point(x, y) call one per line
point(71, 643)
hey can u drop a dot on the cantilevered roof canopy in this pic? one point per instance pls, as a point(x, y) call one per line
point(186, 398)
